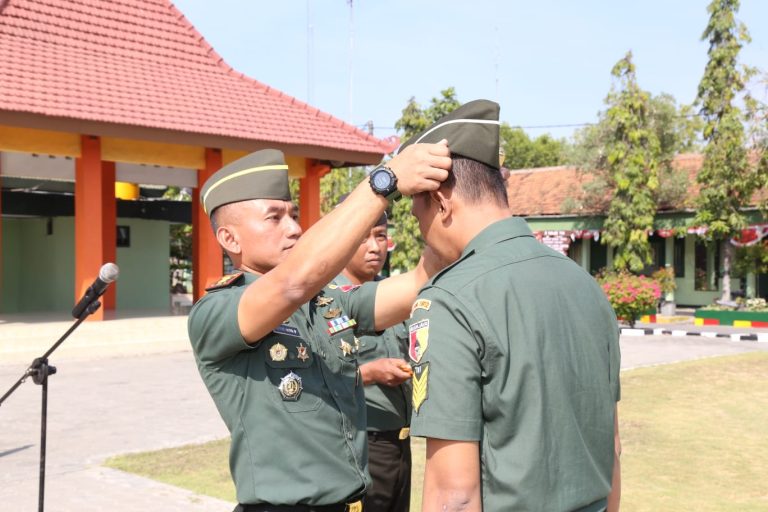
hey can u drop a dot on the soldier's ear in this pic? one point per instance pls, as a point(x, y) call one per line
point(442, 202)
point(228, 239)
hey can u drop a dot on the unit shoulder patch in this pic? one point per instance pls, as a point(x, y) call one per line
point(226, 281)
point(418, 337)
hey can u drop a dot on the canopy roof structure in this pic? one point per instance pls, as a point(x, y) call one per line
point(138, 68)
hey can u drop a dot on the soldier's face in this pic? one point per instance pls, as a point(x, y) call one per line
point(425, 211)
point(267, 229)
point(369, 257)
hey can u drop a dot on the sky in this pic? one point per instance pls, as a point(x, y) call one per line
point(546, 62)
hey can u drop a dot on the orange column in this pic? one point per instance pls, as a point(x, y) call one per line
point(309, 193)
point(95, 214)
point(207, 257)
point(1, 241)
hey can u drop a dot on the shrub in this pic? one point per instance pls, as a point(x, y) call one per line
point(666, 279)
point(630, 295)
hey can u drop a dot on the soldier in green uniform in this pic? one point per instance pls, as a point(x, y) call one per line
point(515, 349)
point(275, 346)
point(385, 374)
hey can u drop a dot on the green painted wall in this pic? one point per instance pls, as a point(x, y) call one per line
point(38, 268)
point(11, 254)
point(144, 281)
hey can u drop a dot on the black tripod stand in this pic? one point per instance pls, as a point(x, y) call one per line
point(39, 370)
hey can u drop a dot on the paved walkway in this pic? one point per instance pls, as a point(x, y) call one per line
point(131, 385)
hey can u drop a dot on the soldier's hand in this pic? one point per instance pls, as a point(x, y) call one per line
point(421, 167)
point(386, 371)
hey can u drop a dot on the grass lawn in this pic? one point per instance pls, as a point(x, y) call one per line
point(694, 434)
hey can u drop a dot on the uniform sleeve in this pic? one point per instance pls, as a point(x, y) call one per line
point(359, 303)
point(445, 355)
point(213, 328)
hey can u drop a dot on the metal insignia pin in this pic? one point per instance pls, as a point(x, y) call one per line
point(278, 352)
point(290, 387)
point(302, 352)
point(332, 313)
point(345, 347)
point(323, 301)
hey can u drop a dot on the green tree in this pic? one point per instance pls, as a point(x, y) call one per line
point(337, 183)
point(727, 178)
point(676, 129)
point(631, 161)
point(523, 153)
point(414, 119)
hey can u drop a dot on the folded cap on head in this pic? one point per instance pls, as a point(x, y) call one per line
point(472, 131)
point(382, 221)
point(260, 175)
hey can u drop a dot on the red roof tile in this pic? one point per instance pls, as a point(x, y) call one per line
point(141, 63)
point(547, 190)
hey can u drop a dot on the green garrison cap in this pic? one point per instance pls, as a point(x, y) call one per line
point(472, 131)
point(260, 175)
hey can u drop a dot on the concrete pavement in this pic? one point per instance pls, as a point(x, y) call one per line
point(131, 385)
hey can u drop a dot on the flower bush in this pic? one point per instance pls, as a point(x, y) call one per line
point(757, 305)
point(630, 296)
point(666, 279)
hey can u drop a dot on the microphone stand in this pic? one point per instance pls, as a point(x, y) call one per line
point(39, 370)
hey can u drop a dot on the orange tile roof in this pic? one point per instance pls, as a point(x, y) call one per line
point(141, 63)
point(546, 190)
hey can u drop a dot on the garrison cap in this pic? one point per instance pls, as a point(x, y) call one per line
point(381, 220)
point(260, 175)
point(472, 131)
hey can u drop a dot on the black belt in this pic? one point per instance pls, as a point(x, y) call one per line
point(389, 435)
point(266, 507)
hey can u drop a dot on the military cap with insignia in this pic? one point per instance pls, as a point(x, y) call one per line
point(260, 175)
point(472, 131)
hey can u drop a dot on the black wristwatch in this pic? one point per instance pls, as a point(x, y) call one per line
point(384, 182)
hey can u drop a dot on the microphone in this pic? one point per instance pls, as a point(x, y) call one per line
point(107, 274)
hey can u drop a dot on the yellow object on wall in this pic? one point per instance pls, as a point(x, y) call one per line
point(125, 190)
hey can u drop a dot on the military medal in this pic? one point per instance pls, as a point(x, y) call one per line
point(278, 352)
point(290, 387)
point(321, 301)
point(340, 324)
point(332, 313)
point(302, 352)
point(345, 347)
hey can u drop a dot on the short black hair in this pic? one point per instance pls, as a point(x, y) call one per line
point(476, 182)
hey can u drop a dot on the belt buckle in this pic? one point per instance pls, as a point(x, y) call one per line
point(357, 506)
point(404, 433)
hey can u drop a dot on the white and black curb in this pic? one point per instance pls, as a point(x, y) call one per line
point(758, 337)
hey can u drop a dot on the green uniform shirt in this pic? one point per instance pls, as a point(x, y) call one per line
point(287, 447)
point(517, 347)
point(388, 407)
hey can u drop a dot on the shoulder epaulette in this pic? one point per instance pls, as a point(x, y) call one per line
point(226, 281)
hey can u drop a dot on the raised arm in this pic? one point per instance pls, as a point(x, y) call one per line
point(324, 249)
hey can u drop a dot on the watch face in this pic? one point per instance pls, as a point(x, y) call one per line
point(381, 180)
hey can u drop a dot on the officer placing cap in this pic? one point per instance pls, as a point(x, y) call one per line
point(275, 345)
point(514, 349)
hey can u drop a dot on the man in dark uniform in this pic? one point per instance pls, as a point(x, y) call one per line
point(515, 349)
point(275, 346)
point(387, 395)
